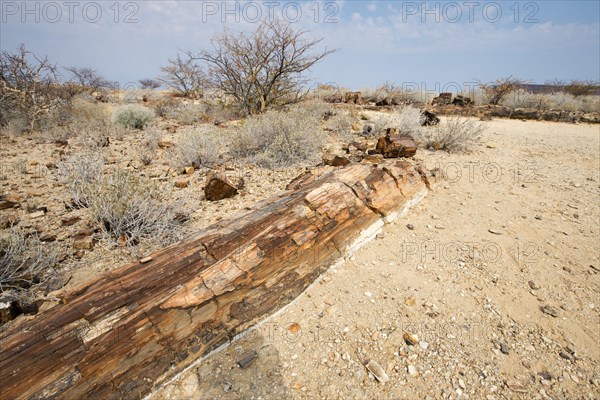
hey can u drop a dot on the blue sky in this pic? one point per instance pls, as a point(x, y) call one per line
point(429, 44)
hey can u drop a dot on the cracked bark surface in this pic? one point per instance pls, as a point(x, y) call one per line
point(124, 333)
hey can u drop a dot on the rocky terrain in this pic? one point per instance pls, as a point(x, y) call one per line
point(487, 289)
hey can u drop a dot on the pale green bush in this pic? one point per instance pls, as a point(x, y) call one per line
point(133, 116)
point(189, 114)
point(199, 147)
point(282, 138)
point(454, 134)
point(406, 119)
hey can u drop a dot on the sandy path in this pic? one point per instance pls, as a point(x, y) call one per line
point(465, 292)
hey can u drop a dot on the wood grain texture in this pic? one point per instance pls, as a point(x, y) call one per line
point(118, 336)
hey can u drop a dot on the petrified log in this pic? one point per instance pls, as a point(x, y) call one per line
point(218, 187)
point(394, 145)
point(429, 119)
point(353, 98)
point(125, 332)
point(462, 101)
point(442, 100)
point(335, 160)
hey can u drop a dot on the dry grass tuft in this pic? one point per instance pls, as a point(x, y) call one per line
point(24, 262)
point(282, 138)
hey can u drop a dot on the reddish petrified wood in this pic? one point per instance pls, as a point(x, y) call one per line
point(394, 145)
point(121, 334)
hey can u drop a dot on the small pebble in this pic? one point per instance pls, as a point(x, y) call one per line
point(412, 371)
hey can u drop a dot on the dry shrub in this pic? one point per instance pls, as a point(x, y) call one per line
point(86, 119)
point(127, 207)
point(24, 262)
point(199, 147)
point(406, 119)
point(133, 116)
point(149, 147)
point(282, 138)
point(551, 101)
point(81, 174)
point(389, 90)
point(164, 105)
point(454, 135)
point(189, 114)
point(130, 208)
point(495, 92)
point(340, 124)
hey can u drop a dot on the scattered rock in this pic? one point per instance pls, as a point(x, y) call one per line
point(410, 339)
point(462, 101)
point(443, 99)
point(227, 387)
point(145, 260)
point(181, 184)
point(218, 187)
point(293, 328)
point(567, 355)
point(503, 347)
point(6, 203)
point(533, 285)
point(410, 227)
point(550, 311)
point(37, 214)
point(6, 221)
point(247, 359)
point(353, 98)
point(57, 283)
point(46, 237)
point(377, 371)
point(429, 119)
point(412, 371)
point(164, 143)
point(373, 159)
point(335, 160)
point(516, 387)
point(545, 375)
point(83, 234)
point(70, 221)
point(188, 170)
point(10, 308)
point(84, 244)
point(410, 301)
point(394, 145)
point(494, 231)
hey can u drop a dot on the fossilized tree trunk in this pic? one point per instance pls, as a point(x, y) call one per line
point(121, 334)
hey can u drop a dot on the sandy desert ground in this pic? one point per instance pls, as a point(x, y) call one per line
point(494, 277)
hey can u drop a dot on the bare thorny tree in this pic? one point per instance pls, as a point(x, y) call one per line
point(27, 86)
point(88, 78)
point(183, 75)
point(263, 69)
